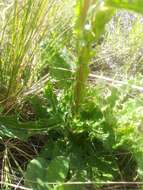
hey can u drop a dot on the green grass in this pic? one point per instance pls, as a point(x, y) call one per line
point(23, 29)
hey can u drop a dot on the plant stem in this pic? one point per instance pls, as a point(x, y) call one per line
point(84, 47)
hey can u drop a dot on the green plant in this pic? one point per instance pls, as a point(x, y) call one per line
point(97, 143)
point(91, 130)
point(52, 172)
point(86, 30)
point(89, 27)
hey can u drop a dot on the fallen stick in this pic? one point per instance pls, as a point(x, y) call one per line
point(112, 81)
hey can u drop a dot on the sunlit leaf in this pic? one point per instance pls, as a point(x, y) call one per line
point(101, 18)
point(39, 172)
point(134, 5)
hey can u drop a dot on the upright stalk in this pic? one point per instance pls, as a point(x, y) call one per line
point(83, 52)
point(92, 18)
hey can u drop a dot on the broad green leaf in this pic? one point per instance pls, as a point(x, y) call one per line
point(134, 5)
point(40, 172)
point(13, 133)
point(35, 174)
point(60, 65)
point(11, 127)
point(58, 169)
point(101, 17)
point(13, 122)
